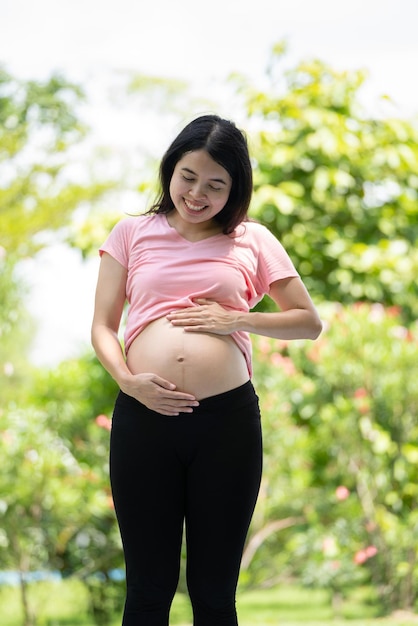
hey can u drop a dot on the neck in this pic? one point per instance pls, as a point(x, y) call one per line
point(193, 232)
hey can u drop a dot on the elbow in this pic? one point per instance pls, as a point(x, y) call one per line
point(94, 338)
point(93, 335)
point(316, 328)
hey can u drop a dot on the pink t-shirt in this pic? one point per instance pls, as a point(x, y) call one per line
point(167, 272)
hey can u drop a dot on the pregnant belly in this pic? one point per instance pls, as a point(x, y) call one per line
point(199, 363)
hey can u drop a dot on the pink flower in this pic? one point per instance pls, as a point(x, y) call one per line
point(360, 557)
point(393, 311)
point(410, 336)
point(110, 502)
point(284, 362)
point(377, 312)
point(264, 345)
point(371, 551)
point(342, 493)
point(7, 437)
point(360, 393)
point(399, 332)
point(314, 353)
point(104, 422)
point(329, 547)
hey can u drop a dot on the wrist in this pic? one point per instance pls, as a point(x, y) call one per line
point(241, 321)
point(124, 379)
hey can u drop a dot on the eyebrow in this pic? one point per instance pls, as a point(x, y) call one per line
point(214, 180)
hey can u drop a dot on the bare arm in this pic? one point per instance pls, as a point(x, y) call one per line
point(297, 318)
point(108, 308)
point(155, 392)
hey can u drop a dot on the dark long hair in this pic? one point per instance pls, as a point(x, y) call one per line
point(226, 145)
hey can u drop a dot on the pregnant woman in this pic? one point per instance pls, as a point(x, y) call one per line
point(186, 448)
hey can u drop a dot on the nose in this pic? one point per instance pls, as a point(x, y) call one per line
point(196, 190)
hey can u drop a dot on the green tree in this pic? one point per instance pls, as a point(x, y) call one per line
point(56, 511)
point(341, 445)
point(338, 186)
point(39, 192)
point(79, 397)
point(39, 129)
point(41, 486)
point(16, 330)
point(339, 189)
point(52, 493)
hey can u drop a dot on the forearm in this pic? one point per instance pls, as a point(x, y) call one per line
point(290, 324)
point(208, 316)
point(109, 352)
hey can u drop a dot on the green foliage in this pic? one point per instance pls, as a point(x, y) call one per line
point(55, 500)
point(78, 397)
point(39, 128)
point(339, 188)
point(40, 485)
point(56, 511)
point(16, 331)
point(338, 501)
point(341, 446)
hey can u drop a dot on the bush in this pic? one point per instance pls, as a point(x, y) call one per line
point(341, 452)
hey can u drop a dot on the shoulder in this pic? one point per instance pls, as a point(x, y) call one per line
point(126, 234)
point(256, 228)
point(132, 222)
point(252, 230)
point(273, 261)
point(134, 225)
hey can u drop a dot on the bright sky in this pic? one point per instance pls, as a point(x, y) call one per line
point(201, 42)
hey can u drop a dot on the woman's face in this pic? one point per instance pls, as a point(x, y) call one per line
point(199, 187)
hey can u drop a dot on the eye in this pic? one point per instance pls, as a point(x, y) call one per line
point(215, 188)
point(188, 179)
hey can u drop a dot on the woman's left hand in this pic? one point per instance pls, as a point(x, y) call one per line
point(206, 317)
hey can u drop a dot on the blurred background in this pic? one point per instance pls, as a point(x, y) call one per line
point(91, 94)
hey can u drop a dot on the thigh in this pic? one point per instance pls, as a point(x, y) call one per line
point(223, 485)
point(148, 486)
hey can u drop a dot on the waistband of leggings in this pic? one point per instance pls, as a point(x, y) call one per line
point(234, 397)
point(239, 396)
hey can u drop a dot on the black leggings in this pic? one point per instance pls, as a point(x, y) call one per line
point(203, 469)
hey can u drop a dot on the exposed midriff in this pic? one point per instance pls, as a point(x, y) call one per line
point(202, 364)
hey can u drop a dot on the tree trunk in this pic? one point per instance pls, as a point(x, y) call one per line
point(261, 535)
point(23, 568)
point(28, 616)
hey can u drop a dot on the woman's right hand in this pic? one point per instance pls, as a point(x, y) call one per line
point(154, 392)
point(158, 394)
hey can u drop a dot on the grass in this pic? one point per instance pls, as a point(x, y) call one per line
point(292, 606)
point(65, 604)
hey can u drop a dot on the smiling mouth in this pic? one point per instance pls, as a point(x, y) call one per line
point(194, 207)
